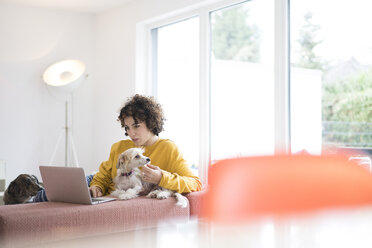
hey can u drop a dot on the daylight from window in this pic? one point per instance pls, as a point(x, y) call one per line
point(242, 80)
point(331, 75)
point(330, 78)
point(177, 81)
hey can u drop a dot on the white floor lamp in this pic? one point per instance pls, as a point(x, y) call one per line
point(65, 76)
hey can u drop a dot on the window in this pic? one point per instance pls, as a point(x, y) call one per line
point(176, 77)
point(221, 73)
point(331, 75)
point(242, 80)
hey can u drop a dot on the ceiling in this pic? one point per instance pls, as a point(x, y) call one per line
point(87, 6)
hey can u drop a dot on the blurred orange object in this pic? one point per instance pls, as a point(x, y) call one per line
point(242, 188)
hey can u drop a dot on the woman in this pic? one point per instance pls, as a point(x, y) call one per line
point(143, 119)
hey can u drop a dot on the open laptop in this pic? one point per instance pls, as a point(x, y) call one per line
point(68, 184)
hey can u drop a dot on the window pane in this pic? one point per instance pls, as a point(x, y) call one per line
point(177, 79)
point(331, 74)
point(242, 85)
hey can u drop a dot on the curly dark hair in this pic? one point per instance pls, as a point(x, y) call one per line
point(143, 109)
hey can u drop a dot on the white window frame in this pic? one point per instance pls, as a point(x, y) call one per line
point(144, 70)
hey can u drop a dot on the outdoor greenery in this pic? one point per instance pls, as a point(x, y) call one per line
point(347, 110)
point(346, 100)
point(306, 56)
point(234, 38)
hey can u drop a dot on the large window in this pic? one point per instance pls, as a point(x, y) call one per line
point(331, 75)
point(213, 71)
point(235, 83)
point(176, 81)
point(242, 80)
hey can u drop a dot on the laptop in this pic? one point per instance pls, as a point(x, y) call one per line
point(68, 184)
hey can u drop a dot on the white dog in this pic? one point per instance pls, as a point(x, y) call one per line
point(129, 183)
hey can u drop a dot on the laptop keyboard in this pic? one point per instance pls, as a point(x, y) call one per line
point(97, 200)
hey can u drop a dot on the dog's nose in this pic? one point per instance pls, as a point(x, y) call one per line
point(148, 160)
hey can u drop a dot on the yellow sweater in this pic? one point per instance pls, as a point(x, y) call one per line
point(164, 153)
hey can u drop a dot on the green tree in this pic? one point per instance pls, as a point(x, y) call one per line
point(307, 43)
point(233, 37)
point(347, 108)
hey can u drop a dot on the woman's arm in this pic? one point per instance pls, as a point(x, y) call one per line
point(179, 182)
point(176, 174)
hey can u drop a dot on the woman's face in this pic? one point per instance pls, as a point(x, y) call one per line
point(138, 132)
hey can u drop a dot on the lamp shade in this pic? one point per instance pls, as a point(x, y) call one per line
point(65, 74)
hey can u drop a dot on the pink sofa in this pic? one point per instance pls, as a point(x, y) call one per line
point(37, 223)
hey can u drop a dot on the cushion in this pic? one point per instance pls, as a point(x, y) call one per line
point(249, 187)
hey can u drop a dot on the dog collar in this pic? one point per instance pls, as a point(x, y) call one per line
point(126, 174)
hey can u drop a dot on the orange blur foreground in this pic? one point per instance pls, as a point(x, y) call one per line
point(244, 188)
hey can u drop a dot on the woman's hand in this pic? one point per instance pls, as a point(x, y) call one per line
point(95, 191)
point(151, 174)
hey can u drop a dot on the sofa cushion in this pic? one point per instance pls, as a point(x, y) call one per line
point(50, 221)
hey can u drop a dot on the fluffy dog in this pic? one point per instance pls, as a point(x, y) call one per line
point(129, 183)
point(22, 189)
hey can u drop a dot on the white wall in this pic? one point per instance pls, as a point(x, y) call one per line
point(30, 117)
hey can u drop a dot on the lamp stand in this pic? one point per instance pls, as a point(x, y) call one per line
point(67, 132)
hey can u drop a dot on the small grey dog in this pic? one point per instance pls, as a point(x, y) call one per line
point(22, 189)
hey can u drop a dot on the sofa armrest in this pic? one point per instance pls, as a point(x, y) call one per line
point(195, 201)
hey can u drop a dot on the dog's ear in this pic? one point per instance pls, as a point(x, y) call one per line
point(123, 158)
